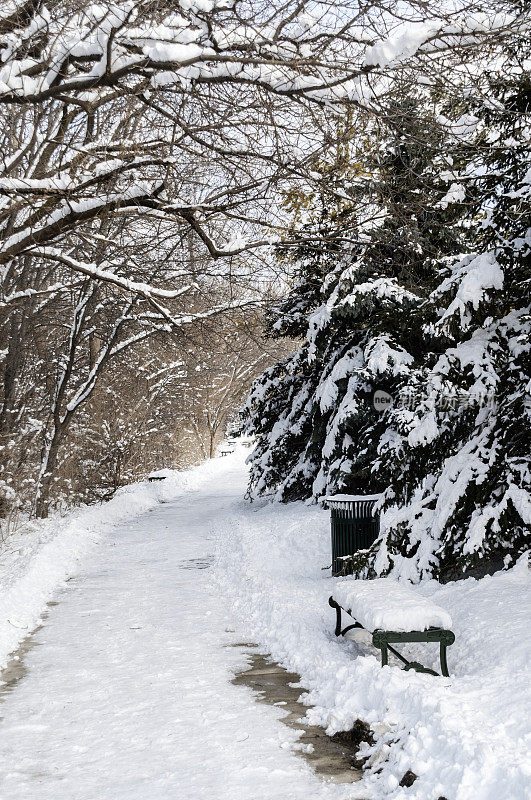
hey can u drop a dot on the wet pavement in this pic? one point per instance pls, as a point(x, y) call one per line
point(274, 686)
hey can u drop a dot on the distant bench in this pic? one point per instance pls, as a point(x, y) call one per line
point(392, 613)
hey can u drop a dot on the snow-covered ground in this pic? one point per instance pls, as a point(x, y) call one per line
point(42, 554)
point(128, 694)
point(466, 737)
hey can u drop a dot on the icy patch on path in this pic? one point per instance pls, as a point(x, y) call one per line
point(128, 696)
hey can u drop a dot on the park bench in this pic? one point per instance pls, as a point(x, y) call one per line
point(392, 613)
point(226, 451)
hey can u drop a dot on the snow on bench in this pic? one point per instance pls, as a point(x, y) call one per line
point(159, 475)
point(392, 612)
point(383, 604)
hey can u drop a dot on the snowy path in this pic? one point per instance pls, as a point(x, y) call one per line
point(128, 694)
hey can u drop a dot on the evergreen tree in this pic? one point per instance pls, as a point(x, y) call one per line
point(358, 305)
point(419, 286)
point(457, 455)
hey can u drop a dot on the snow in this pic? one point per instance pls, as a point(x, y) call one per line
point(466, 737)
point(350, 498)
point(162, 473)
point(128, 693)
point(401, 46)
point(381, 355)
point(425, 431)
point(381, 288)
point(176, 53)
point(327, 392)
point(384, 604)
point(432, 35)
point(455, 194)
point(472, 277)
point(41, 555)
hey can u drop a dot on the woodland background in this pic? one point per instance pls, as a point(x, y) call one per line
point(337, 193)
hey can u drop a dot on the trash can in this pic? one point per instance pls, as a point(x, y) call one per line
point(354, 526)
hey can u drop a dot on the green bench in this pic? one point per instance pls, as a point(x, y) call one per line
point(408, 611)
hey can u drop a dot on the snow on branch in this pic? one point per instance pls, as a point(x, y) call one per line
point(315, 50)
point(103, 274)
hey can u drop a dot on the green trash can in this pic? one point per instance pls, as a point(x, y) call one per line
point(354, 525)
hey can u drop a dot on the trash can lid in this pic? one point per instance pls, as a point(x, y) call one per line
point(350, 498)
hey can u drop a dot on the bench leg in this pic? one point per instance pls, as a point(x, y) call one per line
point(380, 641)
point(444, 663)
point(333, 604)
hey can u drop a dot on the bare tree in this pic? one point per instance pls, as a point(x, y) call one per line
point(144, 146)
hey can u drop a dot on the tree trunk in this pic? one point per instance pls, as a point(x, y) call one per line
point(44, 481)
